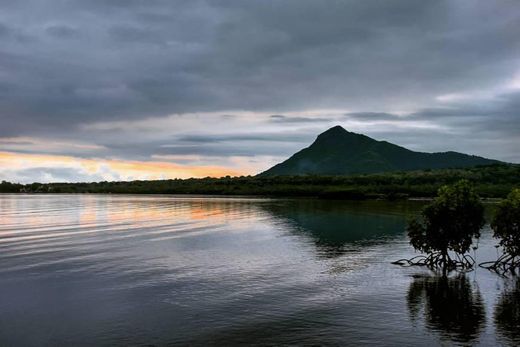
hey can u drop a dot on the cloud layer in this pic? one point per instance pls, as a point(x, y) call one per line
point(242, 84)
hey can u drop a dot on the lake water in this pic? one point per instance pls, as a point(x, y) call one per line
point(170, 270)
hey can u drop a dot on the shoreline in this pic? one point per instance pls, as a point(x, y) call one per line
point(491, 182)
point(247, 196)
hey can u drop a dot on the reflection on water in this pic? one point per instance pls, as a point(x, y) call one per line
point(450, 305)
point(337, 227)
point(169, 270)
point(507, 313)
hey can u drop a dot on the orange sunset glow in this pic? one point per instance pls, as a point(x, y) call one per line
point(111, 169)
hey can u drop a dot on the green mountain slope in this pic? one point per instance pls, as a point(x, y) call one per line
point(340, 152)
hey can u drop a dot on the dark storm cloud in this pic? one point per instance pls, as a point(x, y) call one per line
point(371, 116)
point(500, 114)
point(489, 127)
point(4, 30)
point(284, 119)
point(211, 145)
point(138, 59)
point(62, 31)
point(269, 137)
point(223, 150)
point(68, 64)
point(247, 145)
point(135, 35)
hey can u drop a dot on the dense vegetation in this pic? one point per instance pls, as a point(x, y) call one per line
point(446, 229)
point(506, 228)
point(8, 187)
point(489, 181)
point(340, 152)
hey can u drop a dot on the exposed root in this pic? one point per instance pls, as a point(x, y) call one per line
point(438, 260)
point(506, 264)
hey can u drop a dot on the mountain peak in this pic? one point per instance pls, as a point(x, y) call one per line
point(335, 134)
point(337, 151)
point(338, 137)
point(335, 130)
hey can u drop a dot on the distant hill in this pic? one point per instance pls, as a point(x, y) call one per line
point(340, 152)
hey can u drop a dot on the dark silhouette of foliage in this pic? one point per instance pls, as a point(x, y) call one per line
point(7, 187)
point(506, 228)
point(448, 224)
point(490, 181)
point(450, 306)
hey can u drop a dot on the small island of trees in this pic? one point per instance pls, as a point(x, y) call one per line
point(448, 226)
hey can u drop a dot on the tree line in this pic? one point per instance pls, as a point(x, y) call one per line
point(494, 181)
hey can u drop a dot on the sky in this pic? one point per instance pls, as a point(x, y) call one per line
point(100, 90)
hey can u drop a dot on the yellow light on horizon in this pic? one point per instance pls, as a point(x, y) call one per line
point(111, 169)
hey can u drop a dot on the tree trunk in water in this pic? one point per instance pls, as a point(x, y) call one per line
point(444, 262)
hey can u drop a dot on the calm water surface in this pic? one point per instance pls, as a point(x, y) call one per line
point(169, 270)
